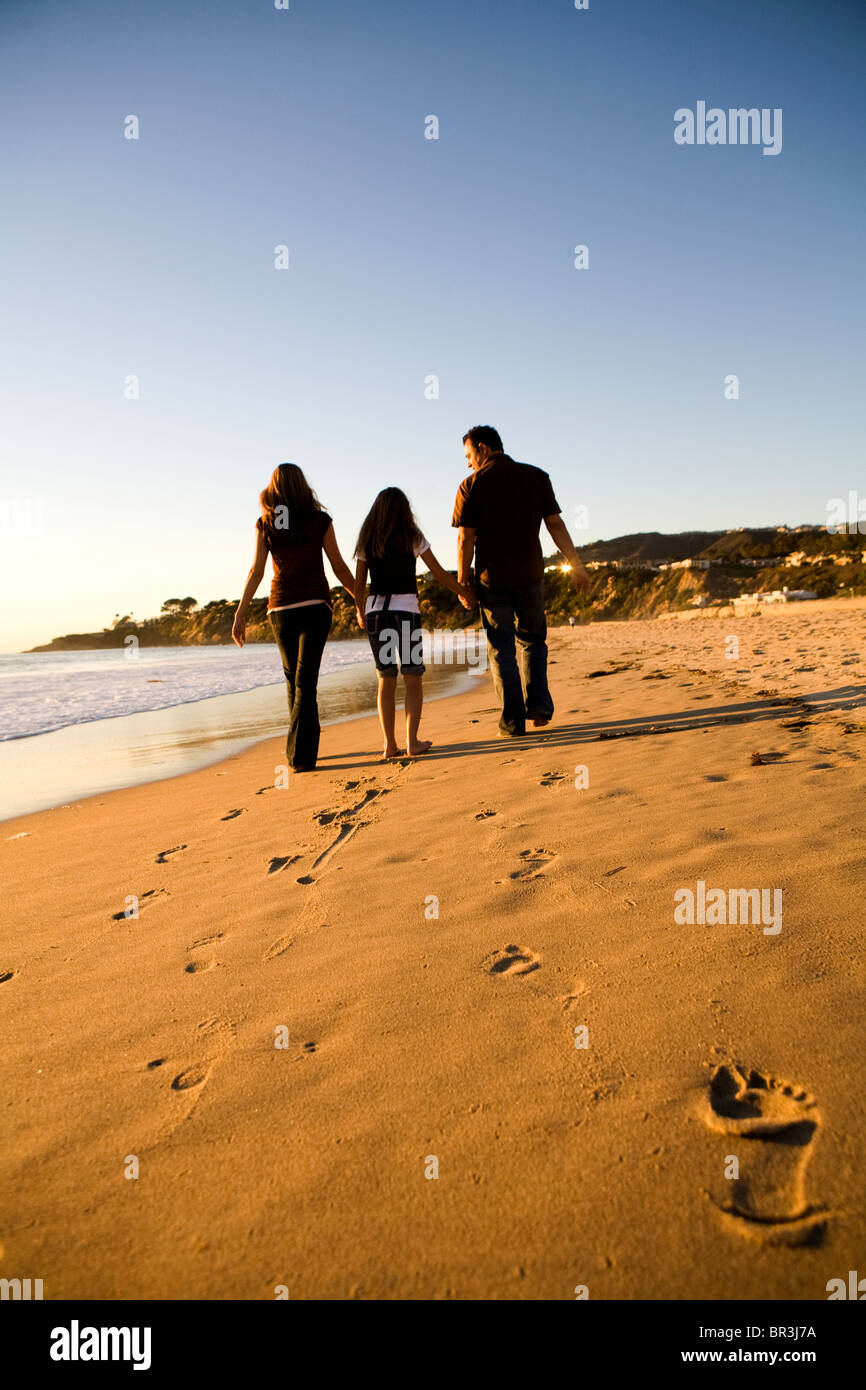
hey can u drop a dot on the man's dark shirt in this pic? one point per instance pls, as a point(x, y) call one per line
point(504, 503)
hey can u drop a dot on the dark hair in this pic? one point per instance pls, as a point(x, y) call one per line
point(484, 434)
point(388, 526)
point(289, 488)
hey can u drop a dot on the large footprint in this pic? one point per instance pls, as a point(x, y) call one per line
point(771, 1126)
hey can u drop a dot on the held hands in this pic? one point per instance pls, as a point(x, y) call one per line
point(239, 630)
point(466, 594)
point(362, 623)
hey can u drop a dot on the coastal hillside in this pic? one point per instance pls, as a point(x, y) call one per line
point(637, 576)
point(743, 543)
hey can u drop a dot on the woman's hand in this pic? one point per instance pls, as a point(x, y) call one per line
point(239, 629)
point(362, 622)
point(466, 594)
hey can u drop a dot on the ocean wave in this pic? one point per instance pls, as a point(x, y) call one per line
point(46, 691)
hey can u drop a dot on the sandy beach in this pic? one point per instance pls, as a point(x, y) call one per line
point(430, 1029)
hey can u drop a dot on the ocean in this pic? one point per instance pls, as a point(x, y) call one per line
point(44, 691)
point(76, 724)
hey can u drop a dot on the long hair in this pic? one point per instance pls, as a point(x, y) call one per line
point(389, 526)
point(288, 489)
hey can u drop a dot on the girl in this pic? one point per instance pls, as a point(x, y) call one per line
point(388, 545)
point(294, 529)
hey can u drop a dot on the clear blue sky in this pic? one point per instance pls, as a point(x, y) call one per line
point(410, 257)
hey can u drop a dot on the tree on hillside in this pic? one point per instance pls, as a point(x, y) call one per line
point(175, 606)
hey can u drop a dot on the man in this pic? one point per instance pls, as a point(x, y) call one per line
point(499, 510)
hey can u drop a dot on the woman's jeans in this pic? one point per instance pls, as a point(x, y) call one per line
point(516, 616)
point(301, 634)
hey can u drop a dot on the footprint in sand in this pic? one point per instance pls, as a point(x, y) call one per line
point(551, 778)
point(7, 975)
point(282, 861)
point(770, 1126)
point(231, 815)
point(193, 1076)
point(277, 948)
point(346, 813)
point(513, 960)
point(533, 863)
point(199, 964)
point(217, 1032)
point(483, 815)
point(198, 967)
point(345, 822)
point(165, 854)
point(578, 991)
point(145, 899)
point(347, 830)
point(213, 1036)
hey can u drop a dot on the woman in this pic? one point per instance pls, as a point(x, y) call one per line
point(294, 529)
point(388, 546)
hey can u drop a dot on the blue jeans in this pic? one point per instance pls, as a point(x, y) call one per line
point(515, 618)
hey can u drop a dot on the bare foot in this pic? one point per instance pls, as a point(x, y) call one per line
point(540, 723)
point(394, 752)
point(423, 747)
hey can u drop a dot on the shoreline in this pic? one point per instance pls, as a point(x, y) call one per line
point(269, 715)
point(99, 756)
point(328, 986)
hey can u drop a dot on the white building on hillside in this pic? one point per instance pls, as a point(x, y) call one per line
point(690, 564)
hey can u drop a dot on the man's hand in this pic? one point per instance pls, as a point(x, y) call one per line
point(466, 594)
point(362, 622)
point(580, 579)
